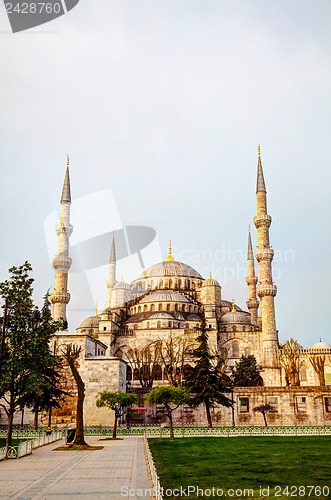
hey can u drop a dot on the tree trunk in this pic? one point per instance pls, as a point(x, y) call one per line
point(210, 425)
point(35, 420)
point(265, 419)
point(115, 427)
point(321, 377)
point(11, 412)
point(79, 438)
point(172, 437)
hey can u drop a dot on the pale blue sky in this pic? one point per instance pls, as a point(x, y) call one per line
point(163, 103)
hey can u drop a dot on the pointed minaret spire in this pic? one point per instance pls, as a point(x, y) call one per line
point(111, 282)
point(60, 296)
point(66, 194)
point(266, 290)
point(260, 184)
point(251, 280)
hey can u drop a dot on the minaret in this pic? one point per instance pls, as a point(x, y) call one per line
point(251, 280)
point(112, 272)
point(62, 262)
point(266, 290)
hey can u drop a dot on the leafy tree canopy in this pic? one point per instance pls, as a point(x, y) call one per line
point(246, 372)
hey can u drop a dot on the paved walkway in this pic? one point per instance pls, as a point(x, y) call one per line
point(98, 474)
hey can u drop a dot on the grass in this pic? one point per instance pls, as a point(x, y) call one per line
point(246, 463)
point(15, 442)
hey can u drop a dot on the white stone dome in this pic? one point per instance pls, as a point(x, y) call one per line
point(170, 268)
point(164, 296)
point(321, 345)
point(91, 322)
point(235, 317)
point(210, 282)
point(122, 285)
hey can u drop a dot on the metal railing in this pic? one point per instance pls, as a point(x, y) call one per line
point(25, 448)
point(152, 472)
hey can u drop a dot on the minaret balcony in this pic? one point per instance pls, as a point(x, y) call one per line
point(252, 304)
point(266, 290)
point(60, 297)
point(62, 228)
point(263, 220)
point(251, 280)
point(62, 263)
point(264, 254)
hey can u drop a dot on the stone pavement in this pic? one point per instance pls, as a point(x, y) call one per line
point(97, 474)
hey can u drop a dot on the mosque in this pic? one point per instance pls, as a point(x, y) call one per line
point(167, 301)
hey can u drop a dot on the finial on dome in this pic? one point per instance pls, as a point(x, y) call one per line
point(233, 307)
point(122, 280)
point(210, 276)
point(170, 257)
point(67, 160)
point(259, 150)
point(96, 309)
point(249, 228)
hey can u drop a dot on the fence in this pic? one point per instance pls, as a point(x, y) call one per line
point(152, 472)
point(26, 447)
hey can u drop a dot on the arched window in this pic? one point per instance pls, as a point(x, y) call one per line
point(152, 307)
point(248, 352)
point(135, 374)
point(170, 283)
point(176, 307)
point(187, 325)
point(145, 307)
point(160, 307)
point(197, 325)
point(135, 327)
point(235, 349)
point(158, 372)
point(179, 283)
point(148, 324)
point(168, 307)
point(128, 373)
point(303, 374)
point(161, 284)
point(139, 309)
point(188, 284)
point(169, 324)
point(183, 307)
point(151, 284)
point(158, 324)
point(223, 353)
point(189, 308)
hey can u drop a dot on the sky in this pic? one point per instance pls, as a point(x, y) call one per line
point(161, 105)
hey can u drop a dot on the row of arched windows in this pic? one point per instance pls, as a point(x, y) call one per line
point(164, 324)
point(160, 373)
point(172, 284)
point(234, 351)
point(165, 307)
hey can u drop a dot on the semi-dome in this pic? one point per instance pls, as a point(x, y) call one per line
point(235, 317)
point(164, 296)
point(193, 317)
point(91, 322)
point(170, 268)
point(161, 315)
point(321, 345)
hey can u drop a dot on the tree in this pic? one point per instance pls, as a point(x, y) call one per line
point(71, 355)
point(318, 363)
point(289, 359)
point(205, 380)
point(173, 353)
point(144, 362)
point(264, 410)
point(171, 398)
point(26, 347)
point(118, 402)
point(246, 372)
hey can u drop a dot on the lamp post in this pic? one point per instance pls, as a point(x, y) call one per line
point(232, 405)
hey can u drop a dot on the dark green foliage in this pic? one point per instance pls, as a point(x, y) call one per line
point(246, 372)
point(205, 380)
point(118, 402)
point(244, 463)
point(26, 357)
point(170, 397)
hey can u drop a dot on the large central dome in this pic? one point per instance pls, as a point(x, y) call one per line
point(170, 268)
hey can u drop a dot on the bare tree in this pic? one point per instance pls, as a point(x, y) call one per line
point(289, 358)
point(174, 352)
point(144, 362)
point(71, 355)
point(264, 410)
point(318, 363)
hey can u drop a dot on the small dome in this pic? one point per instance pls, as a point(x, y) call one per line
point(210, 282)
point(161, 315)
point(164, 296)
point(122, 285)
point(235, 317)
point(193, 317)
point(91, 322)
point(321, 345)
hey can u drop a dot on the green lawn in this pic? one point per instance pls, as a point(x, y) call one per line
point(15, 442)
point(245, 463)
